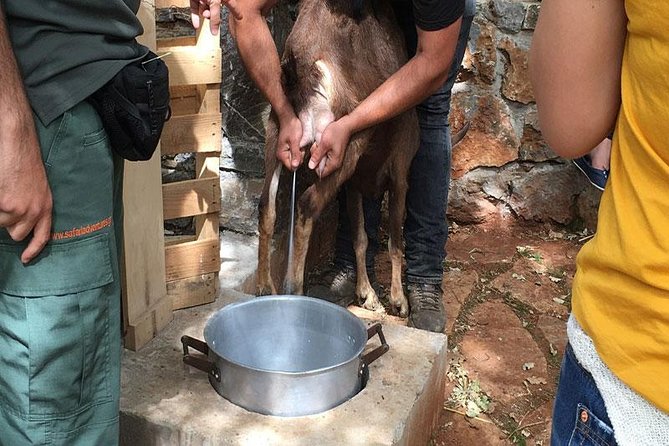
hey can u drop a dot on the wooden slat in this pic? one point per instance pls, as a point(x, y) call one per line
point(149, 324)
point(144, 293)
point(192, 133)
point(176, 41)
point(193, 65)
point(191, 197)
point(191, 291)
point(191, 259)
point(170, 3)
point(194, 99)
point(176, 239)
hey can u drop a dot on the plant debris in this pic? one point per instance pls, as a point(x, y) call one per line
point(467, 392)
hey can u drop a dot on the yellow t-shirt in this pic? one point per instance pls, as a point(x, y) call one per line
point(621, 287)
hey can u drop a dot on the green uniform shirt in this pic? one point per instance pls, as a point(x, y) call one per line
point(67, 49)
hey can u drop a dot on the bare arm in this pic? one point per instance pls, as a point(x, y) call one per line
point(261, 60)
point(25, 197)
point(575, 63)
point(413, 82)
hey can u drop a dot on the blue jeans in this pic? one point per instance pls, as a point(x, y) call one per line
point(579, 414)
point(425, 227)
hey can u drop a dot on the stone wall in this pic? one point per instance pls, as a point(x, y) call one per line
point(502, 170)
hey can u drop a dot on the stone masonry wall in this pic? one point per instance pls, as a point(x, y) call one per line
point(502, 170)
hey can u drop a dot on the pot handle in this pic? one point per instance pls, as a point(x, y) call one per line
point(199, 363)
point(378, 351)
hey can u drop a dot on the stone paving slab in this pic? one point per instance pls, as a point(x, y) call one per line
point(165, 402)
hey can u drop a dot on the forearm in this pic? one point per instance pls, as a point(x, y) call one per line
point(260, 57)
point(15, 112)
point(25, 197)
point(575, 63)
point(412, 83)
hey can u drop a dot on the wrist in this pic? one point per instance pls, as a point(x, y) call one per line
point(284, 112)
point(349, 123)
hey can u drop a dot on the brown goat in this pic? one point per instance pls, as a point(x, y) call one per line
point(335, 56)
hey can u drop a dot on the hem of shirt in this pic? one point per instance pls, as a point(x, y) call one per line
point(635, 421)
point(98, 78)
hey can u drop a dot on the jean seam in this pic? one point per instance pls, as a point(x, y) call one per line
point(587, 429)
point(589, 433)
point(428, 280)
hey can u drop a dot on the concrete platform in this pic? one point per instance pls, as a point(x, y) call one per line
point(165, 402)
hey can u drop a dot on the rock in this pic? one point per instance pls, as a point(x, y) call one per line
point(531, 16)
point(555, 332)
point(508, 14)
point(457, 286)
point(484, 54)
point(533, 147)
point(492, 141)
point(515, 82)
point(495, 351)
point(239, 202)
point(524, 288)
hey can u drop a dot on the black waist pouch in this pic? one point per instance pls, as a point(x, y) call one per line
point(134, 106)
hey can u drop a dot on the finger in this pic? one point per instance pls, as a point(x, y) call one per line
point(295, 157)
point(316, 155)
point(214, 17)
point(41, 235)
point(20, 230)
point(321, 166)
point(284, 156)
point(195, 13)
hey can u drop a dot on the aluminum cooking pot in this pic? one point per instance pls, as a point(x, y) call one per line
point(285, 355)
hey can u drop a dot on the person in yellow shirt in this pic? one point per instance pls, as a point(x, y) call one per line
point(596, 65)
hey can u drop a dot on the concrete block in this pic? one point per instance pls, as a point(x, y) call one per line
point(165, 402)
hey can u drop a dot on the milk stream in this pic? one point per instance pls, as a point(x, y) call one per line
point(289, 271)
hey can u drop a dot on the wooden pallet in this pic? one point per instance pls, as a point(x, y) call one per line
point(162, 274)
point(146, 306)
point(192, 263)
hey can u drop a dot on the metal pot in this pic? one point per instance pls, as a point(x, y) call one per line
point(285, 355)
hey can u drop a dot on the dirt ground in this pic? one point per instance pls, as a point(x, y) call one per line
point(507, 297)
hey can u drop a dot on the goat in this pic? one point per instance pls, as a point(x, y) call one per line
point(337, 53)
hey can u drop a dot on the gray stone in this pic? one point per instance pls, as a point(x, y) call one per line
point(482, 41)
point(508, 15)
point(540, 192)
point(244, 107)
point(165, 402)
point(239, 202)
point(531, 16)
point(239, 261)
point(533, 147)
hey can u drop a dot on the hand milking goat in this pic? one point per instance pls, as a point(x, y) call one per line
point(338, 52)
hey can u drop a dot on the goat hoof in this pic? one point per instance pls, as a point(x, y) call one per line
point(372, 304)
point(404, 311)
point(264, 290)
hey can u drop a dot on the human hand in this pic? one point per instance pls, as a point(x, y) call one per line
point(211, 9)
point(25, 197)
point(288, 145)
point(328, 153)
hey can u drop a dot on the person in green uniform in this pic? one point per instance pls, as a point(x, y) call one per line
point(60, 335)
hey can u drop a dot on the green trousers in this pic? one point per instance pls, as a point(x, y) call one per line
point(60, 342)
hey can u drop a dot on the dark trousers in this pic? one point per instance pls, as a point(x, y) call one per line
point(425, 228)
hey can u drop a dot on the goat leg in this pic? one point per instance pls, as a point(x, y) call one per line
point(309, 208)
point(267, 214)
point(363, 289)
